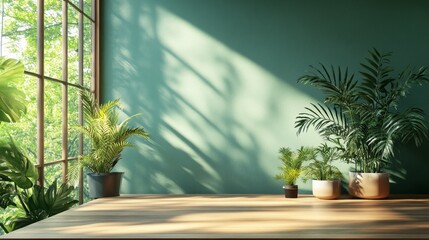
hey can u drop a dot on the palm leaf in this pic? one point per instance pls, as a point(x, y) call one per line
point(337, 87)
point(323, 119)
point(413, 126)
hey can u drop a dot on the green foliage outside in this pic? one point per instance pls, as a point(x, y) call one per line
point(292, 163)
point(19, 40)
point(363, 118)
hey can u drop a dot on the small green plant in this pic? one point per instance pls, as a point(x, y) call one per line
point(321, 168)
point(292, 163)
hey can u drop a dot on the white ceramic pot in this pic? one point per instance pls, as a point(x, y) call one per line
point(369, 185)
point(326, 189)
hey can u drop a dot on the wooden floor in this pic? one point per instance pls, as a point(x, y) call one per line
point(237, 216)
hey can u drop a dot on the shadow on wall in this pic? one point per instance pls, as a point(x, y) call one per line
point(211, 95)
point(215, 117)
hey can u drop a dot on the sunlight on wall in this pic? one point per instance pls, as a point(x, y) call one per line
point(226, 113)
point(241, 99)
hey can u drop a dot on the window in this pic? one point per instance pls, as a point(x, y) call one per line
point(57, 42)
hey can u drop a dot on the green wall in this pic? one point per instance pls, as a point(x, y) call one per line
point(216, 83)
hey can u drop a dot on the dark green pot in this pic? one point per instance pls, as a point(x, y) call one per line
point(104, 184)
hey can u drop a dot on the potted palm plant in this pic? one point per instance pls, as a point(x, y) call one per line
point(108, 138)
point(363, 119)
point(292, 163)
point(326, 178)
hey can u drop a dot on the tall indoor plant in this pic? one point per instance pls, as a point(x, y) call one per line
point(363, 118)
point(108, 138)
point(291, 169)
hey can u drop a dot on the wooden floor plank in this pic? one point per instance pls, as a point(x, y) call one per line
point(237, 216)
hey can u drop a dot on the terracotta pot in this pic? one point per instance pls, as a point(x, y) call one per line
point(104, 184)
point(369, 185)
point(326, 189)
point(291, 191)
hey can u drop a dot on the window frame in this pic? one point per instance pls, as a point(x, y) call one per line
point(42, 78)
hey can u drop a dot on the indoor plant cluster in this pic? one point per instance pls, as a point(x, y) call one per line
point(363, 120)
point(312, 163)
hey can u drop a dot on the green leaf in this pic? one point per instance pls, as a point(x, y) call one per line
point(15, 166)
point(7, 193)
point(12, 99)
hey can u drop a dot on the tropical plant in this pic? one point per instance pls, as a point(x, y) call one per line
point(107, 136)
point(292, 163)
point(362, 117)
point(322, 168)
point(28, 202)
point(12, 100)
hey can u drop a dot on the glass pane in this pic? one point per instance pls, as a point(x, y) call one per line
point(53, 121)
point(73, 39)
point(53, 39)
point(87, 57)
point(19, 33)
point(24, 132)
point(74, 181)
point(52, 173)
point(85, 186)
point(75, 2)
point(86, 146)
point(73, 120)
point(87, 6)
